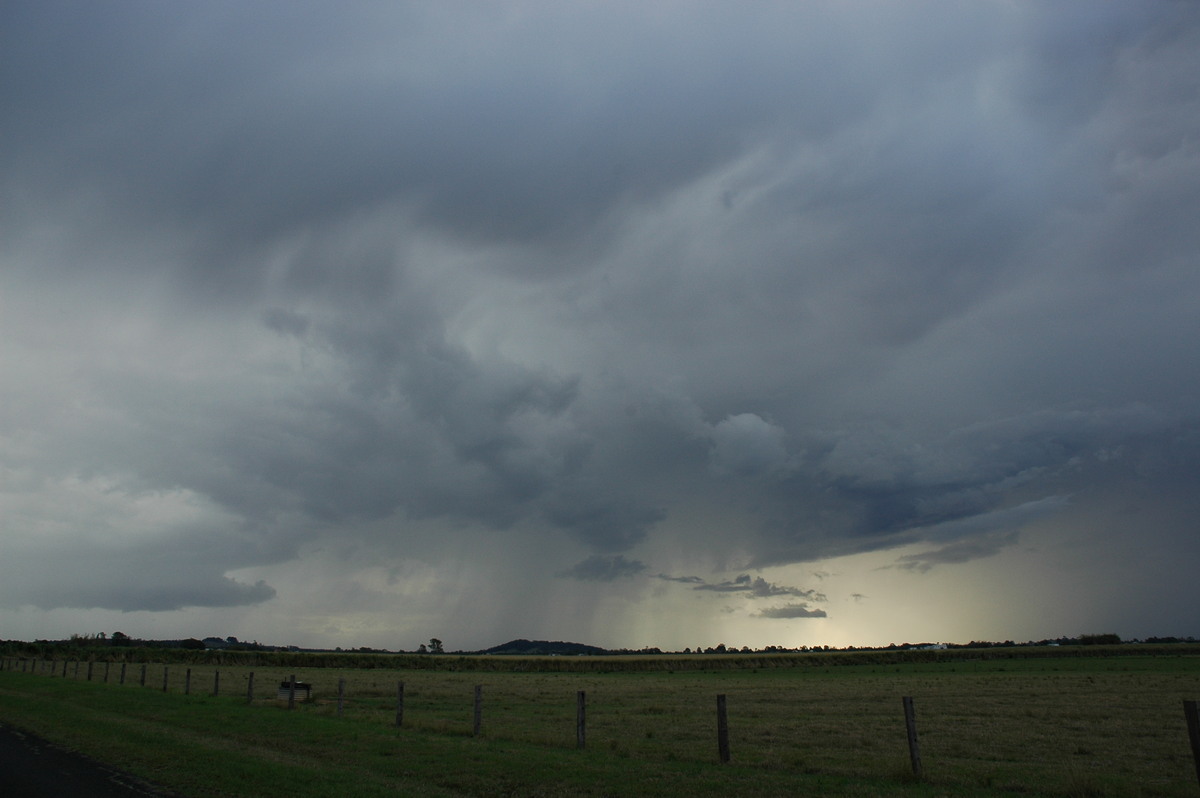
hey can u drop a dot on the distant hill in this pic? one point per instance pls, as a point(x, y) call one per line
point(543, 647)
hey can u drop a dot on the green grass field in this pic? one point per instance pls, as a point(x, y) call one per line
point(1047, 726)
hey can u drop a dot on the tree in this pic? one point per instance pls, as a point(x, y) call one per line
point(421, 649)
point(435, 646)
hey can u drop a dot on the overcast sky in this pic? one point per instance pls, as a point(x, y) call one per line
point(635, 324)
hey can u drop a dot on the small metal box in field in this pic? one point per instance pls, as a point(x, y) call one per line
point(303, 690)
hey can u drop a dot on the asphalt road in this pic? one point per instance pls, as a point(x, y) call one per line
point(33, 768)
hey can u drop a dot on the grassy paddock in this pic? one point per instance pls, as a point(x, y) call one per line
point(1056, 726)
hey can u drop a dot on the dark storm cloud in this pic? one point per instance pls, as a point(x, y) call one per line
point(858, 278)
point(880, 490)
point(251, 123)
point(601, 568)
point(608, 524)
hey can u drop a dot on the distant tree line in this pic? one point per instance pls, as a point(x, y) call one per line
point(104, 646)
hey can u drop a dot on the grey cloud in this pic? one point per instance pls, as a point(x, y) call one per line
point(958, 552)
point(846, 281)
point(755, 587)
point(981, 535)
point(739, 584)
point(601, 568)
point(881, 491)
point(792, 611)
point(747, 445)
point(154, 578)
point(687, 580)
point(285, 322)
point(608, 523)
point(282, 128)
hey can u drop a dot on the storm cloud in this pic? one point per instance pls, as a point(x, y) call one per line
point(531, 301)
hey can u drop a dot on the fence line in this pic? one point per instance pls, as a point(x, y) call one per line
point(50, 667)
point(477, 727)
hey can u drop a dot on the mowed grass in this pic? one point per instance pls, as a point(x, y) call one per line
point(1086, 727)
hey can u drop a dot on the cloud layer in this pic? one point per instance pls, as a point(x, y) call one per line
point(628, 290)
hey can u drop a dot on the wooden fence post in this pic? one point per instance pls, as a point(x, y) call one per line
point(722, 729)
point(165, 671)
point(250, 688)
point(910, 725)
point(580, 719)
point(187, 682)
point(341, 695)
point(65, 663)
point(216, 683)
point(399, 704)
point(1192, 714)
point(122, 674)
point(292, 691)
point(143, 681)
point(107, 665)
point(478, 708)
point(89, 672)
point(76, 673)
